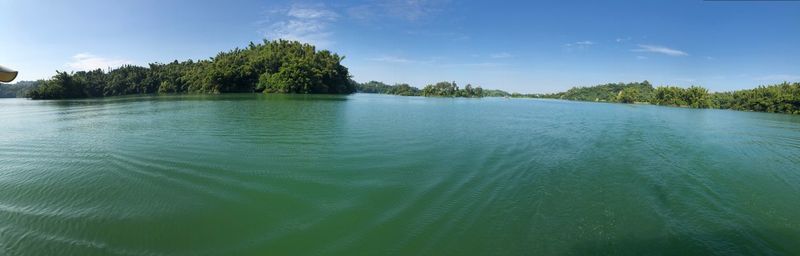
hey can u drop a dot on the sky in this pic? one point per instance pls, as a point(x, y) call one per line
point(520, 46)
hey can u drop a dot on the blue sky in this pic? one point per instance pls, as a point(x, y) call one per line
point(523, 46)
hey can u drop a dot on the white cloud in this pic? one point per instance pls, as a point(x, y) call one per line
point(501, 55)
point(311, 13)
point(659, 49)
point(88, 61)
point(623, 39)
point(308, 24)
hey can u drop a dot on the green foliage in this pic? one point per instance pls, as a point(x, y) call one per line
point(634, 92)
point(670, 96)
point(404, 90)
point(496, 93)
point(61, 86)
point(373, 87)
point(450, 89)
point(694, 97)
point(382, 88)
point(440, 89)
point(273, 67)
point(780, 98)
point(698, 97)
point(470, 92)
point(629, 95)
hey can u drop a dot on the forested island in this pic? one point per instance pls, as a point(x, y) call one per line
point(270, 67)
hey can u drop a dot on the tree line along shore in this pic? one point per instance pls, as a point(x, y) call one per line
point(292, 67)
point(779, 98)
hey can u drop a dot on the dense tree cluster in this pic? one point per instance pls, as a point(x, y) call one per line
point(694, 97)
point(450, 89)
point(404, 90)
point(780, 98)
point(373, 87)
point(496, 93)
point(614, 92)
point(271, 67)
point(382, 88)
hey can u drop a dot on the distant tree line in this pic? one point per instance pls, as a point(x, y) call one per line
point(270, 67)
point(440, 89)
point(382, 88)
point(19, 89)
point(779, 98)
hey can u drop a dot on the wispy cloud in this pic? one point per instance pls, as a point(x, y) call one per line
point(88, 61)
point(410, 10)
point(318, 12)
point(622, 39)
point(305, 23)
point(579, 45)
point(659, 49)
point(501, 55)
point(640, 57)
point(779, 77)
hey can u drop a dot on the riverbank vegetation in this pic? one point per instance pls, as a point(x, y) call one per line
point(779, 98)
point(440, 89)
point(270, 67)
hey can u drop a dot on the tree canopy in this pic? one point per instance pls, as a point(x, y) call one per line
point(450, 89)
point(613, 92)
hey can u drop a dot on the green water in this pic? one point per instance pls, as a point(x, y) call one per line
point(377, 175)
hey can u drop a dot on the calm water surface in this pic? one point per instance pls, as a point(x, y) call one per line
point(376, 175)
